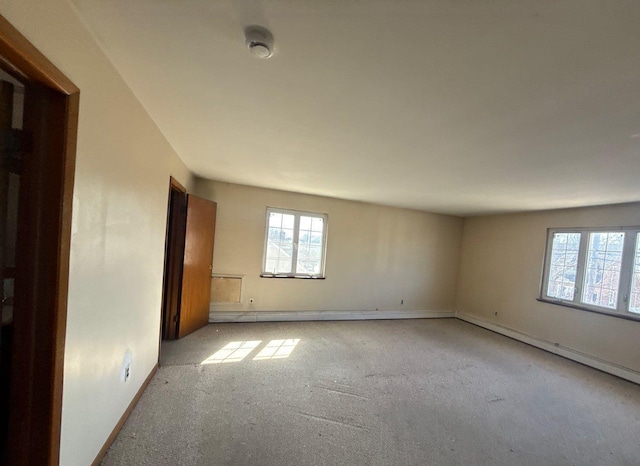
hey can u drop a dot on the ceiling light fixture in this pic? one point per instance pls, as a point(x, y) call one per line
point(259, 41)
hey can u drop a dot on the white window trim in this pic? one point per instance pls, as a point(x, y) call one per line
point(296, 232)
point(626, 269)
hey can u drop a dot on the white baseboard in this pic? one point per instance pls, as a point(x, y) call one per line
point(285, 316)
point(574, 355)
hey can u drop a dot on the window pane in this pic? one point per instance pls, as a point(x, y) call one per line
point(303, 253)
point(303, 237)
point(279, 235)
point(563, 265)
point(279, 243)
point(309, 245)
point(272, 266)
point(274, 234)
point(286, 236)
point(602, 269)
point(278, 260)
point(288, 221)
point(310, 267)
point(282, 256)
point(634, 298)
point(286, 250)
point(305, 223)
point(275, 220)
point(317, 224)
point(284, 265)
point(302, 267)
point(315, 253)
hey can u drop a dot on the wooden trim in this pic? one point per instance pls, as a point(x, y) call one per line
point(123, 418)
point(173, 258)
point(175, 184)
point(37, 420)
point(64, 253)
point(25, 58)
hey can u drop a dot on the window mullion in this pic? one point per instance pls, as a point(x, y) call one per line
point(296, 238)
point(580, 270)
point(626, 268)
point(323, 251)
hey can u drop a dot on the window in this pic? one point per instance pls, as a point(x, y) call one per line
point(594, 269)
point(295, 244)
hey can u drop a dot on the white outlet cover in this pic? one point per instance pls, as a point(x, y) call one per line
point(126, 362)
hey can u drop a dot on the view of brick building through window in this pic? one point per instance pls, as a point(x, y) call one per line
point(595, 269)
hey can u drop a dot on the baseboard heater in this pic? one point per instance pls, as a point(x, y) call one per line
point(292, 316)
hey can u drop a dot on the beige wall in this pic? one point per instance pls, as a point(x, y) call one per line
point(376, 256)
point(501, 266)
point(119, 214)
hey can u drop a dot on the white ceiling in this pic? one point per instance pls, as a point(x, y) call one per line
point(453, 106)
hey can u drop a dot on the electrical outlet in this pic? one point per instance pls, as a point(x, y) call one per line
point(125, 371)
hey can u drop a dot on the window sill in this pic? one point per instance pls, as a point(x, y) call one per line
point(626, 316)
point(303, 277)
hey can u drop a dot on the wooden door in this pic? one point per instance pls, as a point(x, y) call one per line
point(196, 272)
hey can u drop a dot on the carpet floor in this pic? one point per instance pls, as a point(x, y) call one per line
point(402, 392)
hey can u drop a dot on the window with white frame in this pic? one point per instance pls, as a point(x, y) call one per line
point(596, 269)
point(295, 244)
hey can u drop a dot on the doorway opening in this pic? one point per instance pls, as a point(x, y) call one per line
point(38, 127)
point(12, 143)
point(174, 253)
point(191, 224)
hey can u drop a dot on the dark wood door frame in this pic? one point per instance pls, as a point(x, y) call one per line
point(40, 326)
point(173, 258)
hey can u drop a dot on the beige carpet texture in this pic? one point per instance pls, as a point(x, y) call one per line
point(400, 392)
